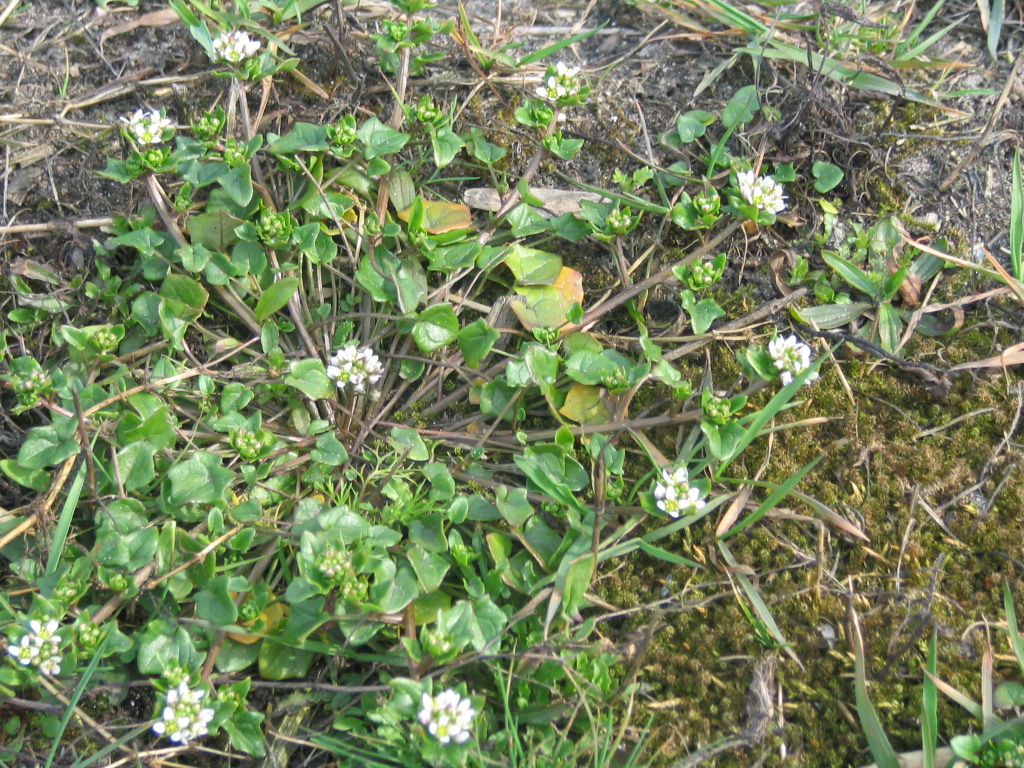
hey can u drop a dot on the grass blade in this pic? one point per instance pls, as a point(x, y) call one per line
point(781, 491)
point(759, 606)
point(73, 701)
point(1011, 621)
point(930, 707)
point(995, 27)
point(878, 742)
point(67, 512)
point(973, 708)
point(1016, 218)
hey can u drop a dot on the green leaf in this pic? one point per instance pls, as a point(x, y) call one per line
point(531, 266)
point(214, 603)
point(446, 145)
point(827, 176)
point(578, 578)
point(407, 442)
point(310, 378)
point(48, 445)
point(890, 327)
point(302, 137)
point(741, 107)
point(852, 274)
point(283, 662)
point(329, 450)
point(276, 297)
point(238, 184)
point(441, 481)
point(135, 462)
point(197, 480)
point(513, 505)
point(702, 313)
point(243, 729)
point(831, 316)
point(185, 290)
point(36, 479)
point(1017, 219)
point(476, 341)
point(436, 327)
point(691, 125)
point(380, 139)
point(430, 567)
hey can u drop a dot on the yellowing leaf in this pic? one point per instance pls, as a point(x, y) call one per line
point(585, 404)
point(263, 624)
point(544, 306)
point(440, 217)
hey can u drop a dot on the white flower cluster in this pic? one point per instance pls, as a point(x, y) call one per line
point(40, 647)
point(184, 717)
point(560, 82)
point(764, 192)
point(147, 127)
point(355, 365)
point(791, 356)
point(447, 716)
point(674, 493)
point(234, 47)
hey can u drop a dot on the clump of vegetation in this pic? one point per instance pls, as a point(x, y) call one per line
point(230, 499)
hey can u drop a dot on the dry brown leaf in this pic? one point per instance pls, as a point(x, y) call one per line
point(557, 201)
point(153, 19)
point(1010, 356)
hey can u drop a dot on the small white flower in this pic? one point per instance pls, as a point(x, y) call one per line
point(675, 495)
point(24, 651)
point(764, 192)
point(147, 127)
point(355, 365)
point(791, 357)
point(50, 666)
point(184, 717)
point(448, 717)
point(560, 82)
point(234, 47)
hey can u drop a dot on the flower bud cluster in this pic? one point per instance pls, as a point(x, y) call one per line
point(337, 565)
point(356, 366)
point(675, 495)
point(763, 192)
point(183, 718)
point(447, 717)
point(791, 357)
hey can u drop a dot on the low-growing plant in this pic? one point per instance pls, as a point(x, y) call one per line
point(255, 473)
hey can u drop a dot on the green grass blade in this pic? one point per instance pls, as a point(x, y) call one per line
point(769, 412)
point(1011, 621)
point(759, 606)
point(972, 707)
point(551, 50)
point(67, 512)
point(73, 701)
point(1016, 218)
point(781, 491)
point(930, 707)
point(878, 742)
point(995, 26)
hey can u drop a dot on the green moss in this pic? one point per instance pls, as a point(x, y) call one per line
point(876, 462)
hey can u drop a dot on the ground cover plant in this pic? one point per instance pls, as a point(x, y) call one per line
point(472, 416)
